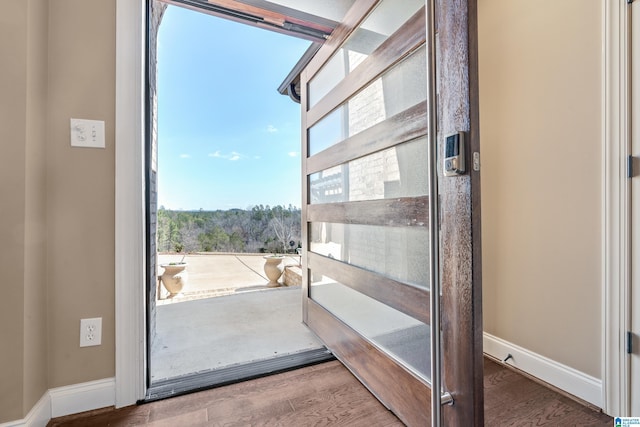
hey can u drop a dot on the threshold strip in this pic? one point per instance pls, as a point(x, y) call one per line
point(200, 381)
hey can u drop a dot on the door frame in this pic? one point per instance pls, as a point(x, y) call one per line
point(615, 213)
point(129, 205)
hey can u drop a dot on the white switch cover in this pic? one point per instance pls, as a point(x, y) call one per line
point(87, 133)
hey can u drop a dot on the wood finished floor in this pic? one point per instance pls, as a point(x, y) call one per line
point(327, 394)
point(511, 399)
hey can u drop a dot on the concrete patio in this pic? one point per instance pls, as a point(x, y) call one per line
point(226, 316)
point(219, 274)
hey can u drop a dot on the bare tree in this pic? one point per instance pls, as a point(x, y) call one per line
point(285, 225)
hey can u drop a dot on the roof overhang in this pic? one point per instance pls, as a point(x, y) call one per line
point(291, 84)
point(307, 19)
point(302, 18)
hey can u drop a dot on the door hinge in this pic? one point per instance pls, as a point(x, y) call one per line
point(630, 171)
point(629, 342)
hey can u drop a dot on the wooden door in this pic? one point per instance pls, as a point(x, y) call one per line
point(367, 231)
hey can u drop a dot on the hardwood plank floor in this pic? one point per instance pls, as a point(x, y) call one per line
point(327, 394)
point(511, 399)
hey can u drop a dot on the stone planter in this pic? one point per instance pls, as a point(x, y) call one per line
point(174, 278)
point(273, 269)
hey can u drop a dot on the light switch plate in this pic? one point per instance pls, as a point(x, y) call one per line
point(87, 133)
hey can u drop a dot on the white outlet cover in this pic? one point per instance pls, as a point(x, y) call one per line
point(87, 133)
point(90, 332)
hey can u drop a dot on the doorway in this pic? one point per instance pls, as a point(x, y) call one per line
point(130, 206)
point(461, 290)
point(223, 183)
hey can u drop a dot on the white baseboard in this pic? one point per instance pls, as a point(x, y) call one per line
point(38, 416)
point(82, 397)
point(61, 401)
point(565, 378)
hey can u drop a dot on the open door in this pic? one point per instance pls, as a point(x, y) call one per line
point(372, 250)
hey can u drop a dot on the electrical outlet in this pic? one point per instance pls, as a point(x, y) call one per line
point(90, 332)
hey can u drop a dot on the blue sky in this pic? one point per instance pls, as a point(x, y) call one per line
point(226, 137)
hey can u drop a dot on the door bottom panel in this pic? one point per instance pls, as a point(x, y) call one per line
point(398, 389)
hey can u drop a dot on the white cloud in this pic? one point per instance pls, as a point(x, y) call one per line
point(185, 156)
point(293, 154)
point(272, 129)
point(233, 156)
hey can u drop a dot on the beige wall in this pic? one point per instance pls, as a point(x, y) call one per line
point(13, 87)
point(35, 279)
point(23, 363)
point(57, 210)
point(540, 121)
point(80, 189)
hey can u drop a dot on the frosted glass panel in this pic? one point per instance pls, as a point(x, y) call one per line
point(399, 253)
point(327, 132)
point(402, 337)
point(386, 18)
point(400, 171)
point(398, 89)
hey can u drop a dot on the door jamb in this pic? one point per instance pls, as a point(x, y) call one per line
point(130, 203)
point(615, 214)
